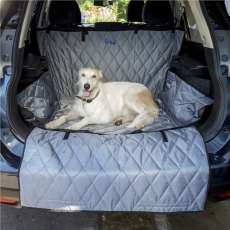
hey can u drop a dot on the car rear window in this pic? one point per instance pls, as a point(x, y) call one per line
point(110, 13)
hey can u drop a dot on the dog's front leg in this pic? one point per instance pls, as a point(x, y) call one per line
point(61, 120)
point(82, 123)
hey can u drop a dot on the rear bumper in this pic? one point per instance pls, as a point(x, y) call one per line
point(9, 165)
point(219, 182)
point(10, 190)
point(219, 193)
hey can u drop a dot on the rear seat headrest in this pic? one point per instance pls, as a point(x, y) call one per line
point(158, 13)
point(134, 11)
point(64, 13)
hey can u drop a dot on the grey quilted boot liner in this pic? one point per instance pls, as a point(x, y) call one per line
point(128, 172)
point(179, 103)
point(133, 172)
point(143, 57)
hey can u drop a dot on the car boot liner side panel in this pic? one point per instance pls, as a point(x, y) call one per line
point(132, 172)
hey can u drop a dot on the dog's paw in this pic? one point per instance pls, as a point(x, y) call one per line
point(117, 122)
point(137, 127)
point(50, 125)
point(131, 126)
point(73, 127)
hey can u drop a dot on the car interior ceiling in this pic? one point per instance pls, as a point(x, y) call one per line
point(190, 64)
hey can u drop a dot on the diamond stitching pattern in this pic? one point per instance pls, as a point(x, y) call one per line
point(115, 172)
point(134, 57)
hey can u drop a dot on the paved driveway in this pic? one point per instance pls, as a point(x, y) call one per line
point(215, 216)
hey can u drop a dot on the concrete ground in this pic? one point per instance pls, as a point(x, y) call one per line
point(215, 216)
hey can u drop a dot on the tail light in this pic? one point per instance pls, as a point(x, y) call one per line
point(223, 195)
point(7, 201)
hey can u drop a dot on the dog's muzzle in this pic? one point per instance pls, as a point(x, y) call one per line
point(87, 86)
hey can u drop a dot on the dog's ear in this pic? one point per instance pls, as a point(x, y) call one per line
point(100, 75)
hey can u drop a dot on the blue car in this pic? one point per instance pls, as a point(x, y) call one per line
point(180, 50)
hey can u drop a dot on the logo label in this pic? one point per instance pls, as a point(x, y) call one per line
point(110, 41)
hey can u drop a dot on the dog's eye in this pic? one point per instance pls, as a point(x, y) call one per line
point(83, 75)
point(94, 76)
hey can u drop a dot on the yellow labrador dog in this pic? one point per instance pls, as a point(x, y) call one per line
point(103, 103)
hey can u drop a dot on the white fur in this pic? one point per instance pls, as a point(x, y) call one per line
point(116, 101)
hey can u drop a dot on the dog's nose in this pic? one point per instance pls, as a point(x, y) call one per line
point(86, 86)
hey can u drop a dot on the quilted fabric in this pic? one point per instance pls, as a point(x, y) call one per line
point(40, 99)
point(135, 172)
point(179, 106)
point(149, 171)
point(182, 102)
point(121, 55)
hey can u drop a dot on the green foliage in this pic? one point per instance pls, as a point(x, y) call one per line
point(85, 5)
point(121, 9)
point(94, 14)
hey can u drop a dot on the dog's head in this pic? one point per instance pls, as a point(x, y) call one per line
point(88, 81)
